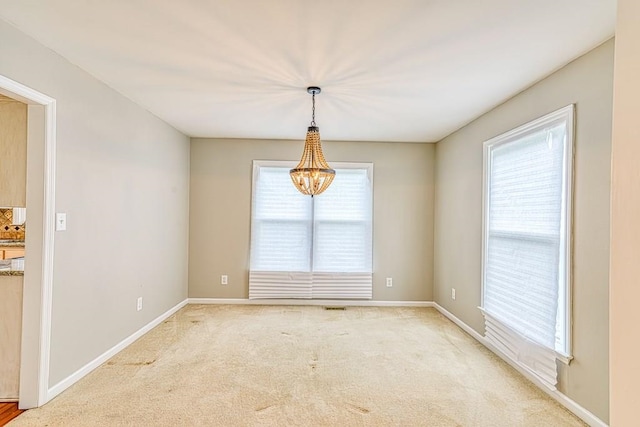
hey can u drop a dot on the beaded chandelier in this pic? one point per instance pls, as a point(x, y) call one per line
point(312, 175)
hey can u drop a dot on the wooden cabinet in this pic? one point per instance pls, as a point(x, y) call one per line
point(10, 336)
point(8, 253)
point(13, 152)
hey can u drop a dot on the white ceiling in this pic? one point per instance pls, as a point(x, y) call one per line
point(390, 70)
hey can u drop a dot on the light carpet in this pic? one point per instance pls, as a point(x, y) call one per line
point(303, 365)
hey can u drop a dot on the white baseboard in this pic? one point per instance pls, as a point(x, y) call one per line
point(334, 302)
point(80, 373)
point(561, 398)
point(468, 329)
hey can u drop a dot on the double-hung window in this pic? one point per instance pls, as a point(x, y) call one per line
point(311, 247)
point(526, 256)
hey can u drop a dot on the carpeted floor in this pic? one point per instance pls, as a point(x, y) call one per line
point(306, 366)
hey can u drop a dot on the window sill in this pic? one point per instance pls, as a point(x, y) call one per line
point(564, 358)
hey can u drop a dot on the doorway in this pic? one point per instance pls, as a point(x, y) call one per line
point(39, 244)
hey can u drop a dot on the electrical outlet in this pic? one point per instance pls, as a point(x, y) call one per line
point(224, 279)
point(139, 306)
point(453, 293)
point(389, 282)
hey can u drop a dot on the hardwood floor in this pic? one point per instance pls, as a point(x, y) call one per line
point(8, 411)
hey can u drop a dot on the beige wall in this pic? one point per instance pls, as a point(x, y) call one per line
point(588, 83)
point(220, 213)
point(122, 179)
point(13, 152)
point(625, 220)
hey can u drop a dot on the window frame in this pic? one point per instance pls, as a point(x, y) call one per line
point(368, 166)
point(566, 242)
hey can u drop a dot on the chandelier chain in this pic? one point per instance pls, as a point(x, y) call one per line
point(313, 109)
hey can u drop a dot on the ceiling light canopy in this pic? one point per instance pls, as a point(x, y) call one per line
point(312, 175)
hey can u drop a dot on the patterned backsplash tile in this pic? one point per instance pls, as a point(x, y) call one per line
point(9, 231)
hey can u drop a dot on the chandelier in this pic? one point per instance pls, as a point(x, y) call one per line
point(312, 175)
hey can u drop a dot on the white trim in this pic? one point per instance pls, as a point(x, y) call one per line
point(36, 394)
point(315, 302)
point(564, 359)
point(564, 112)
point(23, 93)
point(468, 329)
point(257, 164)
point(560, 397)
point(86, 369)
point(568, 235)
point(48, 247)
point(293, 163)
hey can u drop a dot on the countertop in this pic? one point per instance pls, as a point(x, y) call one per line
point(12, 267)
point(11, 243)
point(11, 273)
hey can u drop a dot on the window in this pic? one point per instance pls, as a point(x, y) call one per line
point(526, 257)
point(311, 247)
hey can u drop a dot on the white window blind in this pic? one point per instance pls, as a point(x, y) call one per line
point(525, 283)
point(342, 224)
point(281, 226)
point(303, 247)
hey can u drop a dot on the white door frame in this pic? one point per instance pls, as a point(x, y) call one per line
point(38, 284)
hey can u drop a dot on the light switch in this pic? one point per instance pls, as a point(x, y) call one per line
point(61, 221)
